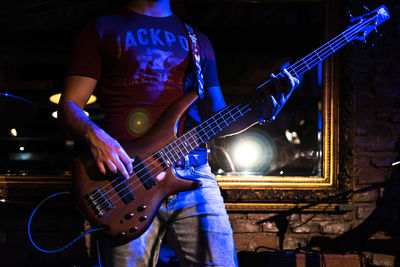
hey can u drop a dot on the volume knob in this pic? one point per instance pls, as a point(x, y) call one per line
point(121, 235)
point(142, 208)
point(129, 215)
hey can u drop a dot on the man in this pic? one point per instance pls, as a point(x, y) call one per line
point(138, 58)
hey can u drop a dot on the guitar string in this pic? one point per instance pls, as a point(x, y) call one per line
point(226, 110)
point(339, 38)
point(321, 52)
point(201, 136)
point(133, 190)
point(330, 43)
point(342, 36)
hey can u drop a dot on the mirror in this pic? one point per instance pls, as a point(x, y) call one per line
point(251, 40)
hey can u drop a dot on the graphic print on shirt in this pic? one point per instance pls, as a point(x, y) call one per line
point(156, 52)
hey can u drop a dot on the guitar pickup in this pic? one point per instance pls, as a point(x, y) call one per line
point(123, 190)
point(143, 173)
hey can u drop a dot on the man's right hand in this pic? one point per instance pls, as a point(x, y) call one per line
point(108, 153)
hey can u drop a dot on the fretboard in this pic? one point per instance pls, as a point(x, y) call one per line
point(308, 62)
point(204, 132)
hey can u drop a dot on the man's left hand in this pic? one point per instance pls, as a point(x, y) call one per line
point(283, 85)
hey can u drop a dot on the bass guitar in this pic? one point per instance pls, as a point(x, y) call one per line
point(125, 208)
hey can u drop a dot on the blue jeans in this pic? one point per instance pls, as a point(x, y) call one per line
point(194, 224)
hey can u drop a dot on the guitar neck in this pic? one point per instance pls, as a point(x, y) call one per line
point(356, 31)
point(309, 61)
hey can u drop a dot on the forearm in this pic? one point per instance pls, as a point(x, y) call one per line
point(75, 122)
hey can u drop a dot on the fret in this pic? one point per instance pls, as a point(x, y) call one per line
point(161, 155)
point(222, 117)
point(347, 40)
point(314, 60)
point(209, 126)
point(179, 153)
point(185, 144)
point(174, 157)
point(164, 154)
point(234, 115)
point(170, 158)
point(294, 74)
point(315, 52)
point(192, 135)
point(230, 116)
point(305, 63)
point(240, 112)
point(216, 122)
point(186, 150)
point(333, 50)
point(201, 133)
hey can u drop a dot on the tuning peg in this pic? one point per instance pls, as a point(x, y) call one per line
point(350, 15)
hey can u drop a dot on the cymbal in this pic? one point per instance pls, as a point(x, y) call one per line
point(15, 110)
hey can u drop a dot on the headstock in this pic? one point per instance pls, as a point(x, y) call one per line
point(366, 23)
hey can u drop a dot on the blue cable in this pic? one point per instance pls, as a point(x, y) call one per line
point(70, 243)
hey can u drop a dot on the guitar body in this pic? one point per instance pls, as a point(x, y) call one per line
point(126, 207)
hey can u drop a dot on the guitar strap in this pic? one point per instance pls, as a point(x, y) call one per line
point(195, 48)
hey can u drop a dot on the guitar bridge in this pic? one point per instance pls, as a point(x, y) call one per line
point(99, 202)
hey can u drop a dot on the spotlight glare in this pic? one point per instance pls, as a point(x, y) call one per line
point(13, 132)
point(250, 153)
point(253, 152)
point(56, 99)
point(292, 137)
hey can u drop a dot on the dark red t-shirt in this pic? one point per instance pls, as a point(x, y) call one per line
point(140, 63)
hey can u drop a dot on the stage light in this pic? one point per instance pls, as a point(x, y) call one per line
point(56, 99)
point(21, 148)
point(292, 137)
point(246, 153)
point(252, 152)
point(13, 132)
